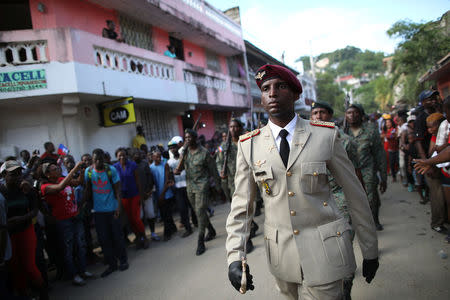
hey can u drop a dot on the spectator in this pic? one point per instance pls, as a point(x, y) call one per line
point(22, 207)
point(110, 33)
point(390, 135)
point(58, 192)
point(170, 52)
point(433, 178)
point(402, 130)
point(180, 188)
point(139, 139)
point(49, 153)
point(5, 249)
point(25, 156)
point(146, 182)
point(103, 185)
point(131, 195)
point(163, 193)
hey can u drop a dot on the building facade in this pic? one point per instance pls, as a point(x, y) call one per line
point(56, 71)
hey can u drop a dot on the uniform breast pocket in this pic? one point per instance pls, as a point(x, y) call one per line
point(266, 182)
point(314, 177)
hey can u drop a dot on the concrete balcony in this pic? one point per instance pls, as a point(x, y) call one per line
point(194, 20)
point(75, 61)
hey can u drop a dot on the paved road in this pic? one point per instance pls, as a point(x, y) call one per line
point(410, 267)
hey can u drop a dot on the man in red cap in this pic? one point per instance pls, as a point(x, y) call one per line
point(308, 242)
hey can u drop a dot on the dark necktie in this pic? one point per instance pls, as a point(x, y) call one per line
point(284, 147)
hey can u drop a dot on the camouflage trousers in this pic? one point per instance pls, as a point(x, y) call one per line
point(224, 183)
point(199, 202)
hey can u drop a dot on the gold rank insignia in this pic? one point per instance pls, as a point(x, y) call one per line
point(322, 123)
point(260, 75)
point(259, 163)
point(249, 135)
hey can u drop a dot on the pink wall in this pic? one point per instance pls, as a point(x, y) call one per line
point(79, 14)
point(208, 119)
point(198, 57)
point(160, 40)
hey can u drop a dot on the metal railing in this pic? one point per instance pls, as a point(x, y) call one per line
point(114, 60)
point(22, 53)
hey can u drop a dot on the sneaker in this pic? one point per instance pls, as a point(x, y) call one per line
point(440, 229)
point(447, 239)
point(155, 237)
point(410, 188)
point(108, 271)
point(87, 275)
point(379, 227)
point(187, 233)
point(77, 280)
point(124, 266)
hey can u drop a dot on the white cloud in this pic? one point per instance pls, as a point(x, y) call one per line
point(315, 30)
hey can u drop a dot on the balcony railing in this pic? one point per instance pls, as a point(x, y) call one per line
point(204, 80)
point(214, 15)
point(114, 60)
point(22, 53)
point(238, 88)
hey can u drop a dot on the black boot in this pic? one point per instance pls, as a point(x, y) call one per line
point(211, 233)
point(253, 229)
point(200, 245)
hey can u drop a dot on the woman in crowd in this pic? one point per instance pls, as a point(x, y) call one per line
point(59, 193)
point(131, 195)
point(391, 138)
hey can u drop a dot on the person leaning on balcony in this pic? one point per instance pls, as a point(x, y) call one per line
point(170, 52)
point(110, 33)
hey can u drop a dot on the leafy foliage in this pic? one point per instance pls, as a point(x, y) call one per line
point(330, 92)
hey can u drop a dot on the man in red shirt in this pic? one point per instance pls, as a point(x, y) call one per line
point(58, 192)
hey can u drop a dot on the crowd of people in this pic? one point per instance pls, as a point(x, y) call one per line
point(411, 138)
point(51, 205)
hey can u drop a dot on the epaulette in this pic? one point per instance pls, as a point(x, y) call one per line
point(249, 135)
point(322, 124)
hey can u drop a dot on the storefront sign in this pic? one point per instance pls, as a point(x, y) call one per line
point(23, 80)
point(117, 112)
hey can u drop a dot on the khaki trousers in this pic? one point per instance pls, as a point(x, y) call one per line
point(296, 291)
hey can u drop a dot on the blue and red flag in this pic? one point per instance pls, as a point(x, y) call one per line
point(62, 150)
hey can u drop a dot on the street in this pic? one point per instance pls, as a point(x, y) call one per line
point(410, 266)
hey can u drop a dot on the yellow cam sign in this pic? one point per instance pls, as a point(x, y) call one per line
point(118, 112)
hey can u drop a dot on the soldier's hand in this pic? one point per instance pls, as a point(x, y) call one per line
point(383, 185)
point(370, 267)
point(235, 275)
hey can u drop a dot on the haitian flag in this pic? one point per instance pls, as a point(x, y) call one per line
point(62, 150)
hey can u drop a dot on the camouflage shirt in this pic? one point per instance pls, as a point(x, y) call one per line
point(232, 155)
point(371, 155)
point(199, 167)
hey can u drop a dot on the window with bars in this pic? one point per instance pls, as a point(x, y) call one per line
point(136, 33)
point(155, 123)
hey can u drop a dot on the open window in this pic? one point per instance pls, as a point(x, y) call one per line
point(15, 15)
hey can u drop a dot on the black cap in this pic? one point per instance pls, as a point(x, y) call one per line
point(320, 104)
point(358, 107)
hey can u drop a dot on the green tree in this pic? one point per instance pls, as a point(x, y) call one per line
point(329, 91)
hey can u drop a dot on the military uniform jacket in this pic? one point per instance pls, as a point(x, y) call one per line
point(305, 236)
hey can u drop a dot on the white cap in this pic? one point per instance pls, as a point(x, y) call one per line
point(175, 140)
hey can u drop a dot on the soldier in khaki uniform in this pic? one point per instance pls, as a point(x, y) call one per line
point(308, 242)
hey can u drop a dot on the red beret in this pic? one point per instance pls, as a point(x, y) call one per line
point(267, 72)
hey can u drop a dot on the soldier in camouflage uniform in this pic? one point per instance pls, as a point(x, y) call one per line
point(199, 166)
point(371, 156)
point(236, 129)
point(323, 112)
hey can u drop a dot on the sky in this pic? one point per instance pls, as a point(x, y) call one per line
point(300, 27)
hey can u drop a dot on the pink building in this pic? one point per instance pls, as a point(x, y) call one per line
point(56, 69)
